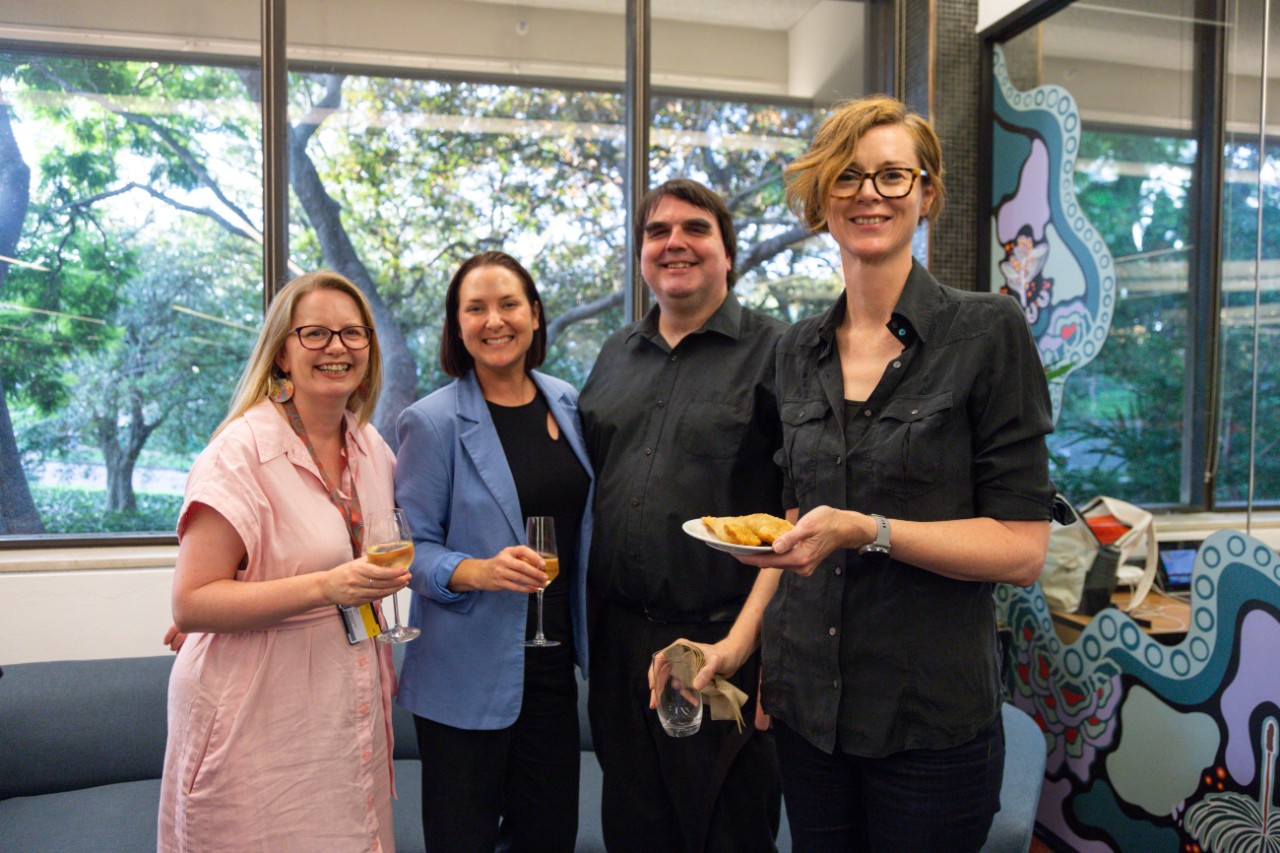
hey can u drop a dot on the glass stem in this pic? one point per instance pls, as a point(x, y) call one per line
point(538, 637)
point(395, 607)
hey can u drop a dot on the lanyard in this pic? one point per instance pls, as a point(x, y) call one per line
point(350, 508)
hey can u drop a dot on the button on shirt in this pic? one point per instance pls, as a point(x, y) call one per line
point(679, 433)
point(955, 429)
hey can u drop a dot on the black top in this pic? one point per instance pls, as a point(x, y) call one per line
point(872, 654)
point(675, 434)
point(549, 481)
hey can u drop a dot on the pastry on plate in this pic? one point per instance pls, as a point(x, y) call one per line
point(733, 530)
point(756, 529)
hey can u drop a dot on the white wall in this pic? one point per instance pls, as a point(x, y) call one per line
point(86, 614)
point(442, 35)
point(826, 52)
point(990, 11)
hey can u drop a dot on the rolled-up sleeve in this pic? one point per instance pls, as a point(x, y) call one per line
point(1012, 414)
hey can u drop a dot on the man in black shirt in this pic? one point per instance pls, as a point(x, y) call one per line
point(681, 421)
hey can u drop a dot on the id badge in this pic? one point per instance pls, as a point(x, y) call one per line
point(361, 622)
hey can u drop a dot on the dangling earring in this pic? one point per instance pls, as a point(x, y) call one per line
point(279, 388)
point(361, 393)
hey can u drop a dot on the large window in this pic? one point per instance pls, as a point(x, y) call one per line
point(427, 172)
point(1169, 412)
point(131, 187)
point(130, 287)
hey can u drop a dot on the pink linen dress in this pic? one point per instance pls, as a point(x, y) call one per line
point(280, 740)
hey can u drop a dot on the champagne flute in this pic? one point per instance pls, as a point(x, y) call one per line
point(540, 535)
point(388, 543)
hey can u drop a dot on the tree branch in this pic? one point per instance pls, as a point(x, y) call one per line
point(766, 249)
point(322, 109)
point(189, 160)
point(152, 191)
point(735, 200)
point(578, 313)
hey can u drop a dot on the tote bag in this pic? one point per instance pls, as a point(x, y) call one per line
point(1142, 532)
point(1074, 548)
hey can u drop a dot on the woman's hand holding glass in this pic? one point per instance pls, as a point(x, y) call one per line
point(361, 582)
point(517, 568)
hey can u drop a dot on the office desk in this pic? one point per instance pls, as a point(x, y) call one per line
point(1164, 618)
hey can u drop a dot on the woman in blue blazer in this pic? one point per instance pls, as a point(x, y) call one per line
point(497, 722)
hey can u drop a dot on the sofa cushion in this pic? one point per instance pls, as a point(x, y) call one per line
point(81, 724)
point(107, 817)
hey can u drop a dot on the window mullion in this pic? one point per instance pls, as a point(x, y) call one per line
point(1203, 403)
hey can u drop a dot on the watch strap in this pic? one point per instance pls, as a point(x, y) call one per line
point(880, 545)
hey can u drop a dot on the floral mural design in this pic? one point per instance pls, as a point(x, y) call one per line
point(1044, 251)
point(1152, 747)
point(1231, 822)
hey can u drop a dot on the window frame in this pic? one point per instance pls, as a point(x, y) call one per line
point(1202, 391)
point(275, 68)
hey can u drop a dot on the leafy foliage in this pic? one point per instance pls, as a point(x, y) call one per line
point(76, 510)
point(148, 196)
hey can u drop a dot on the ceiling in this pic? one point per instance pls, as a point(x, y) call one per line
point(779, 15)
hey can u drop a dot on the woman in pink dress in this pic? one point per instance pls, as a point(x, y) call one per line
point(279, 724)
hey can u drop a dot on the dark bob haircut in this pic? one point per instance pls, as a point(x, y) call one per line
point(454, 358)
point(699, 196)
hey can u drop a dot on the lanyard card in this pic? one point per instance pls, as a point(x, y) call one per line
point(361, 623)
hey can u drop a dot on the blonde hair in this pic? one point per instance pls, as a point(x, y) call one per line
point(276, 327)
point(810, 177)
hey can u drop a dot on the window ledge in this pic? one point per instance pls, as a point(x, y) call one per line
point(1171, 526)
point(84, 559)
point(1199, 525)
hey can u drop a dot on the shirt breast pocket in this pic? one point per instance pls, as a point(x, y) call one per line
point(918, 445)
point(802, 426)
point(714, 427)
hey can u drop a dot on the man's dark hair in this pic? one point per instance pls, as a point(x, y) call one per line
point(697, 195)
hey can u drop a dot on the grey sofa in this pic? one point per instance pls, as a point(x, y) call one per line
point(82, 751)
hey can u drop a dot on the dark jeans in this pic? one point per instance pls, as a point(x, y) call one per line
point(714, 792)
point(526, 774)
point(917, 801)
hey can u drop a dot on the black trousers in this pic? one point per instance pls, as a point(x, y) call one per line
point(717, 790)
point(519, 783)
point(915, 801)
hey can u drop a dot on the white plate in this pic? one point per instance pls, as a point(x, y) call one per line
point(695, 528)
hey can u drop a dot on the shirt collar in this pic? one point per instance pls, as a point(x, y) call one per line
point(726, 320)
point(912, 316)
point(275, 437)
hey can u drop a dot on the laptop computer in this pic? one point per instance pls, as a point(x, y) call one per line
point(1176, 561)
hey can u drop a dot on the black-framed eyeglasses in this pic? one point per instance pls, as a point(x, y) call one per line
point(318, 337)
point(894, 182)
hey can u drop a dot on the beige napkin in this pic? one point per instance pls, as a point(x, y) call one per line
point(722, 697)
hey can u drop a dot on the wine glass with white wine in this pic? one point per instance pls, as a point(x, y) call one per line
point(388, 543)
point(540, 535)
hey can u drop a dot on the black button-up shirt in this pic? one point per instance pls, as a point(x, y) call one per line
point(873, 653)
point(674, 434)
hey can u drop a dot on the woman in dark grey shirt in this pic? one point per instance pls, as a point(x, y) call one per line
point(914, 459)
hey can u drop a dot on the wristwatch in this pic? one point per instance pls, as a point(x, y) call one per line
point(881, 543)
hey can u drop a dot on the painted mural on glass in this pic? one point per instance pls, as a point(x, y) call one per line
point(1044, 251)
point(1160, 748)
point(1152, 747)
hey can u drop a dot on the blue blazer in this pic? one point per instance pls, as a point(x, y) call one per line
point(453, 481)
